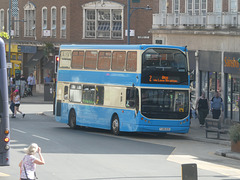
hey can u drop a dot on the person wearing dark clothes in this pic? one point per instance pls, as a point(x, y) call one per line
point(216, 106)
point(11, 98)
point(202, 106)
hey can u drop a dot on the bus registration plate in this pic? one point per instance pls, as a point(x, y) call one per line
point(164, 129)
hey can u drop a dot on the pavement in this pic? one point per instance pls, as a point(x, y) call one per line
point(196, 133)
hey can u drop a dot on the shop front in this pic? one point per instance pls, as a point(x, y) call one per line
point(232, 85)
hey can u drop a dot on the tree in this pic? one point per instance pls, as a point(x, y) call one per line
point(4, 35)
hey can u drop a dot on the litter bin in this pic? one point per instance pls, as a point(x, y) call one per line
point(48, 91)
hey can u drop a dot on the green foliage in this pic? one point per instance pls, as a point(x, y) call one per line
point(48, 48)
point(4, 35)
point(234, 133)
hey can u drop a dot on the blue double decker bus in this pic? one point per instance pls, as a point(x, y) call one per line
point(124, 88)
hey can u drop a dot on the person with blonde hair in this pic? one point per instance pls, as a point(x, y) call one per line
point(29, 162)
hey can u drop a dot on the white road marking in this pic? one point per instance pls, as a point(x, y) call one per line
point(18, 145)
point(3, 175)
point(224, 170)
point(18, 130)
point(41, 137)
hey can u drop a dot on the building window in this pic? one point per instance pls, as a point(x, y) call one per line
point(197, 7)
point(233, 6)
point(30, 20)
point(63, 22)
point(217, 6)
point(53, 21)
point(7, 20)
point(1, 20)
point(103, 20)
point(176, 6)
point(190, 7)
point(163, 6)
point(44, 20)
point(16, 25)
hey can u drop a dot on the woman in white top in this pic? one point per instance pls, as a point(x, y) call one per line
point(29, 162)
point(16, 100)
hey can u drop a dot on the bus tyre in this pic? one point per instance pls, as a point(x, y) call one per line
point(72, 120)
point(115, 125)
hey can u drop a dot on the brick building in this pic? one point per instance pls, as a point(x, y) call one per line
point(210, 29)
point(39, 27)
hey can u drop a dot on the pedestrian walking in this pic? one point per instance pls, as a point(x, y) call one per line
point(29, 162)
point(22, 86)
point(217, 106)
point(12, 94)
point(202, 105)
point(12, 82)
point(31, 82)
point(16, 100)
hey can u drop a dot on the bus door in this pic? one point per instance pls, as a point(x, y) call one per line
point(132, 99)
point(65, 101)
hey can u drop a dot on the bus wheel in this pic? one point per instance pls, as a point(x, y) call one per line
point(72, 120)
point(115, 125)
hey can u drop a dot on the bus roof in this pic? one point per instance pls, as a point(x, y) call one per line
point(126, 47)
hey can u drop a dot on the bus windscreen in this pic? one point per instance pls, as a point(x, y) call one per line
point(164, 66)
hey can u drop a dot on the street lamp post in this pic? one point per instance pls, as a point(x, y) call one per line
point(129, 15)
point(9, 32)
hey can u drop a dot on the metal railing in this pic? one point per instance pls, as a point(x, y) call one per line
point(208, 20)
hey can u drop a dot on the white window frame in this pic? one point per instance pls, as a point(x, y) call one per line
point(63, 23)
point(191, 7)
point(217, 6)
point(16, 25)
point(107, 22)
point(2, 20)
point(8, 20)
point(53, 22)
point(44, 19)
point(176, 7)
point(30, 20)
point(163, 6)
point(233, 6)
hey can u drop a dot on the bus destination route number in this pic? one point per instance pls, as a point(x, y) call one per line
point(163, 79)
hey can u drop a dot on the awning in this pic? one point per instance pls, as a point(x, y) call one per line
point(35, 59)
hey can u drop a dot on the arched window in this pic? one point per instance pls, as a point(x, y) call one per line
point(63, 22)
point(30, 20)
point(53, 21)
point(1, 20)
point(44, 20)
point(16, 24)
point(103, 20)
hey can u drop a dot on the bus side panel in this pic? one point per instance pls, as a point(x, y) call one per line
point(101, 117)
point(64, 114)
